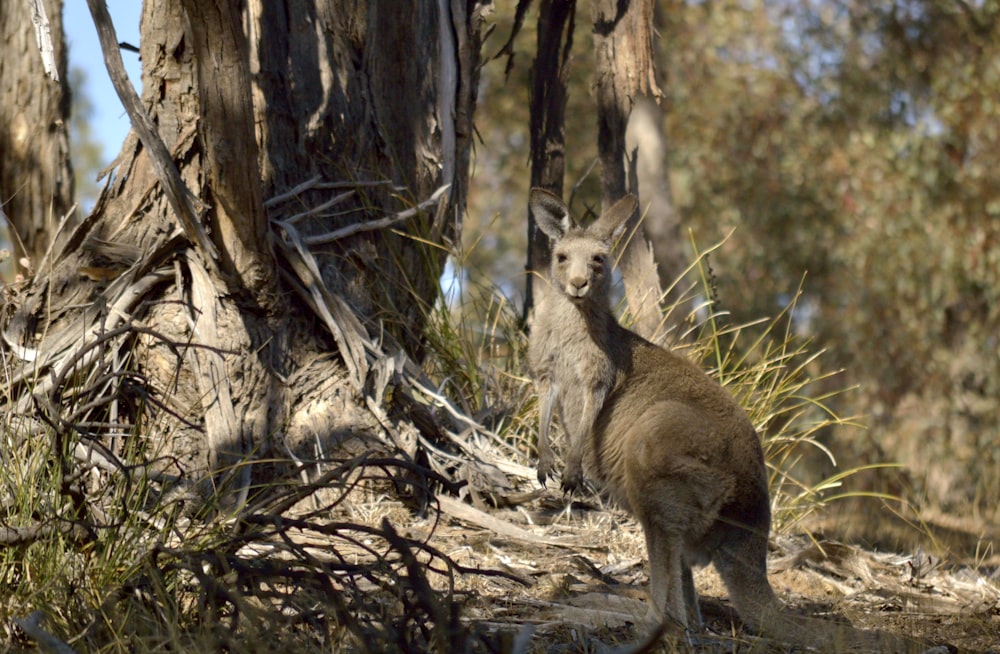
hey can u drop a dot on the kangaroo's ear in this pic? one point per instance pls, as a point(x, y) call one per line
point(551, 214)
point(612, 221)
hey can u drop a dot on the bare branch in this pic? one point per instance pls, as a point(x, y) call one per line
point(180, 197)
point(381, 223)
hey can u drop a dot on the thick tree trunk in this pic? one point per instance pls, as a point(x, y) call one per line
point(376, 97)
point(247, 231)
point(36, 181)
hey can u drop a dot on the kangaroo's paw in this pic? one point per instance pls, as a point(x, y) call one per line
point(545, 467)
point(572, 480)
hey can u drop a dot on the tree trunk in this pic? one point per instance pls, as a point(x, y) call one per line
point(246, 232)
point(36, 181)
point(661, 223)
point(623, 70)
point(549, 75)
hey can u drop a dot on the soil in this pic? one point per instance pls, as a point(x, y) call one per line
point(582, 583)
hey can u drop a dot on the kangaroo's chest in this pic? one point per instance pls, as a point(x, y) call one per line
point(582, 363)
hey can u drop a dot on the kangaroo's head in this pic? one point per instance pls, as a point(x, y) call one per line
point(581, 257)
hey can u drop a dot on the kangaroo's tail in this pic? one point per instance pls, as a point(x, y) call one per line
point(763, 613)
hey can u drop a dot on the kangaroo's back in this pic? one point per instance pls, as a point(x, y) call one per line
point(667, 417)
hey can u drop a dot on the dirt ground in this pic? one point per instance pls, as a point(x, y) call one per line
point(581, 576)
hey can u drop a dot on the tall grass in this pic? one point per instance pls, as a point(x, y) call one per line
point(787, 392)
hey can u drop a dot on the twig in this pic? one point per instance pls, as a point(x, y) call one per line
point(315, 183)
point(337, 199)
point(372, 225)
point(292, 192)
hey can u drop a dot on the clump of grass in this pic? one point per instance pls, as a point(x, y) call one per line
point(787, 392)
point(477, 354)
point(70, 541)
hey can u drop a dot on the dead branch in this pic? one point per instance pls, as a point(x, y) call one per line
point(73, 531)
point(180, 197)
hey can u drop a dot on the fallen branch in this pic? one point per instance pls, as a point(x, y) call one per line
point(73, 531)
point(462, 511)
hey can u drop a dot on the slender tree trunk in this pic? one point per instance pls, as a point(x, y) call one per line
point(623, 70)
point(36, 180)
point(661, 223)
point(549, 75)
point(649, 147)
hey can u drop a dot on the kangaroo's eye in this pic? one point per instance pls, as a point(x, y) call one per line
point(599, 259)
point(560, 257)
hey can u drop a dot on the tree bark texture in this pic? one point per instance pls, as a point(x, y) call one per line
point(36, 180)
point(370, 92)
point(623, 70)
point(306, 171)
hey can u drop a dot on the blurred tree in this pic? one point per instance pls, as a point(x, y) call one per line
point(36, 180)
point(85, 151)
point(855, 141)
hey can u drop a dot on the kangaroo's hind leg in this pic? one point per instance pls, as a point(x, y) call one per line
point(695, 623)
point(666, 577)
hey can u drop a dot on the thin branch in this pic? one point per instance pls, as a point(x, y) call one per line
point(295, 191)
point(337, 199)
point(315, 184)
point(372, 225)
point(74, 531)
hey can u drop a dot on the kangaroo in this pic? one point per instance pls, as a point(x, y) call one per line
point(659, 435)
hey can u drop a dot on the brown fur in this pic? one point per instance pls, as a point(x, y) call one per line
point(658, 434)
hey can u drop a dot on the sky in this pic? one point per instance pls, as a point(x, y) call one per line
point(110, 124)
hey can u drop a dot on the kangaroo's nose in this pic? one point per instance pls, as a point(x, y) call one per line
point(578, 286)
